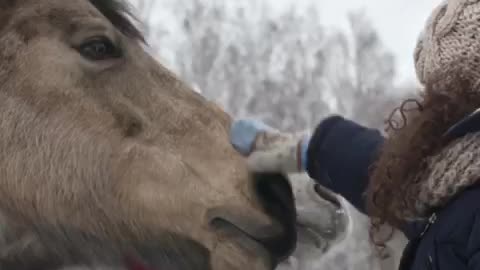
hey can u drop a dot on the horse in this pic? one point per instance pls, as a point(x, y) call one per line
point(109, 161)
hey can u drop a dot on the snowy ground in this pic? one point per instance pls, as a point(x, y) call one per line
point(342, 245)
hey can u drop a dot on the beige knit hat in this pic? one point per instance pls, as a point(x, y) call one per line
point(450, 40)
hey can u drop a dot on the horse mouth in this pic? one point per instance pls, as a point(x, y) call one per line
point(325, 220)
point(275, 240)
point(257, 242)
point(271, 242)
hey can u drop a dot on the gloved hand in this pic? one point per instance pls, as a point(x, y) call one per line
point(267, 149)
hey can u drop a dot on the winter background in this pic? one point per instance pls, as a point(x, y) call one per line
point(290, 63)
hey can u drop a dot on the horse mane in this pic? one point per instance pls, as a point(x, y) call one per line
point(119, 13)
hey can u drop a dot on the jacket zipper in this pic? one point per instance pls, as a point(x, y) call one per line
point(408, 257)
point(430, 263)
point(431, 220)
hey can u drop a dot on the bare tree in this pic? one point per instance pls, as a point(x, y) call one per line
point(362, 73)
point(284, 69)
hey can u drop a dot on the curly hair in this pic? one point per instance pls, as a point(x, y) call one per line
point(414, 134)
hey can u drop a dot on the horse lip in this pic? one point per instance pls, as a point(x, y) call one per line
point(254, 229)
point(248, 234)
point(258, 234)
point(245, 239)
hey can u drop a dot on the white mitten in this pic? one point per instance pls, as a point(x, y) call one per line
point(267, 149)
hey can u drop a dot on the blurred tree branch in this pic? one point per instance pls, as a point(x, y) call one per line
point(287, 69)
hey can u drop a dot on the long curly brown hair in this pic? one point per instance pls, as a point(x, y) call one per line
point(414, 133)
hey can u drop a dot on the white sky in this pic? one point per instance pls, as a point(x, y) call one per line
point(398, 21)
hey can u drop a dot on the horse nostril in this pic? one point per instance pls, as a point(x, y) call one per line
point(276, 196)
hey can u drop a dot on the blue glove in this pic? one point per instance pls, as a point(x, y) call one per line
point(244, 132)
point(267, 149)
point(304, 152)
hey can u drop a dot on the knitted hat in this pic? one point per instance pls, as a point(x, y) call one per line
point(450, 40)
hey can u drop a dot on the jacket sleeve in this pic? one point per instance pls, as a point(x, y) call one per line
point(339, 155)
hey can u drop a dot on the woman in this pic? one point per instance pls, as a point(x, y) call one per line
point(423, 178)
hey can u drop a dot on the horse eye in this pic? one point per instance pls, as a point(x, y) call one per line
point(99, 48)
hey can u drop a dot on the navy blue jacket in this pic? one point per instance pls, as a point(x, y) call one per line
point(339, 155)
